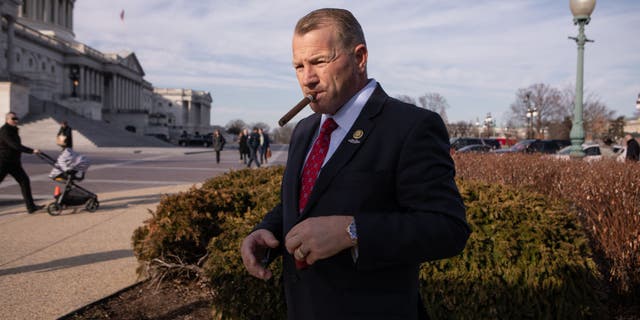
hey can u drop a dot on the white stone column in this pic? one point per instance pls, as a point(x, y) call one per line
point(120, 94)
point(47, 9)
point(67, 17)
point(71, 15)
point(56, 10)
point(11, 56)
point(139, 97)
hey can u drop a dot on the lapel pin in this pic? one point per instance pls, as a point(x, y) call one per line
point(356, 136)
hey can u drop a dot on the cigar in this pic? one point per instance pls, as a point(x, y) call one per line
point(298, 107)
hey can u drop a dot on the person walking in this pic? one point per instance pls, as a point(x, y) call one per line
point(244, 146)
point(11, 150)
point(354, 224)
point(254, 144)
point(264, 145)
point(66, 132)
point(218, 143)
point(633, 149)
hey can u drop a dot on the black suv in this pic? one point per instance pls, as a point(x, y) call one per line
point(534, 146)
point(195, 140)
point(457, 143)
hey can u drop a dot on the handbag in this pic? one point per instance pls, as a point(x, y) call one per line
point(268, 153)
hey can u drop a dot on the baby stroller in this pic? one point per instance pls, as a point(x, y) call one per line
point(69, 168)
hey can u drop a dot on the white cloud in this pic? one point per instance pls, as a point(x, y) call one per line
point(475, 53)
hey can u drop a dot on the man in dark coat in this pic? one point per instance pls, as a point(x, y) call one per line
point(11, 149)
point(254, 143)
point(353, 234)
point(65, 131)
point(633, 149)
point(218, 142)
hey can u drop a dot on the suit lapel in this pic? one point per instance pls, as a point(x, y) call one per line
point(355, 138)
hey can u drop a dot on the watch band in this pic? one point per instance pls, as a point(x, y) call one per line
point(353, 232)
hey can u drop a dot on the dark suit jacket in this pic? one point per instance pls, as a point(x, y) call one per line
point(398, 182)
point(11, 147)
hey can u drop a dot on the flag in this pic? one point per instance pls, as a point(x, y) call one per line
point(122, 15)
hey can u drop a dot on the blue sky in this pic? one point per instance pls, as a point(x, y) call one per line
point(476, 54)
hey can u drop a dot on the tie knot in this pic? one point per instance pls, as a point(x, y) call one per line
point(328, 126)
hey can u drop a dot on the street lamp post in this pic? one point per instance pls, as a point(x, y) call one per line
point(478, 126)
point(531, 114)
point(638, 103)
point(581, 10)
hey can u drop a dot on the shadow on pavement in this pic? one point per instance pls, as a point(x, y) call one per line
point(69, 262)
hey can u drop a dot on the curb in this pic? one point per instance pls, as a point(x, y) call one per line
point(70, 315)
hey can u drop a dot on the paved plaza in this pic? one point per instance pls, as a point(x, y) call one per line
point(50, 266)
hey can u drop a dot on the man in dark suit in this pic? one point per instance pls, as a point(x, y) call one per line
point(353, 236)
point(11, 149)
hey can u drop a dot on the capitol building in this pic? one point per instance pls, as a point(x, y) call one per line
point(44, 67)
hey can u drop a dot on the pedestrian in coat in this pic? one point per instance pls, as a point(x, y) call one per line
point(66, 132)
point(218, 144)
point(11, 150)
point(254, 144)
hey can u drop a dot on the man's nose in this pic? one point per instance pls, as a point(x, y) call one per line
point(309, 77)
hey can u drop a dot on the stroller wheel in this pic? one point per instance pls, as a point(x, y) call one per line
point(92, 205)
point(54, 209)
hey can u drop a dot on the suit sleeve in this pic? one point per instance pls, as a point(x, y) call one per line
point(13, 141)
point(431, 224)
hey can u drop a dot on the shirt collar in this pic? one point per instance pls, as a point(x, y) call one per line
point(347, 115)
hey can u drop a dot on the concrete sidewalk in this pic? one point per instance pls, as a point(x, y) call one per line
point(50, 266)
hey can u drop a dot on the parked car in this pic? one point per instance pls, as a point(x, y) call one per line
point(457, 143)
point(195, 140)
point(493, 143)
point(533, 146)
point(475, 148)
point(591, 152)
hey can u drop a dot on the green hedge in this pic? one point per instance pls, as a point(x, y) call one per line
point(527, 257)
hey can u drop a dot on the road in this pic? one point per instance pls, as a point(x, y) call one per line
point(128, 169)
point(50, 266)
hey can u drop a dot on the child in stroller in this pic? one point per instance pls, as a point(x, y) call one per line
point(67, 169)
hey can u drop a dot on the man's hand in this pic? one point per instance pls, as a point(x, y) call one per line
point(253, 249)
point(36, 151)
point(318, 238)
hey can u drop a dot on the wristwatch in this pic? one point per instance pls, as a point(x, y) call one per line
point(352, 232)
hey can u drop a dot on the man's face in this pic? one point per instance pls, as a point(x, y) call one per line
point(326, 70)
point(12, 119)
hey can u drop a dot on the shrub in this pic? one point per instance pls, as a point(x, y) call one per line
point(182, 225)
point(606, 195)
point(527, 258)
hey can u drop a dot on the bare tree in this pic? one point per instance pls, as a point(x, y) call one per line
point(435, 102)
point(261, 125)
point(283, 134)
point(461, 129)
point(596, 119)
point(407, 99)
point(596, 115)
point(235, 126)
point(544, 99)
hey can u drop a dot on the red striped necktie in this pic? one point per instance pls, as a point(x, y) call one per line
point(312, 168)
point(315, 160)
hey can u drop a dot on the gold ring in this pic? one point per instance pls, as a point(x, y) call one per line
point(299, 253)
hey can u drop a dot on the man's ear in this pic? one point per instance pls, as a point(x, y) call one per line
point(361, 54)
